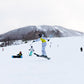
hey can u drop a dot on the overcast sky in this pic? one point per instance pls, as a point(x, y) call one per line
point(19, 13)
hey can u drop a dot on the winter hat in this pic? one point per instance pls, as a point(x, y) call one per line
point(20, 52)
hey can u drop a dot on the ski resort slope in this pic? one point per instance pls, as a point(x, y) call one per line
point(66, 65)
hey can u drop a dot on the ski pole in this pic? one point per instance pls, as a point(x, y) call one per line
point(50, 44)
point(31, 44)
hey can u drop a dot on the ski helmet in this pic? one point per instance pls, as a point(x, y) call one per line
point(40, 35)
point(31, 46)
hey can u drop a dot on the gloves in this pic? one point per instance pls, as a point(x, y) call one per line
point(48, 40)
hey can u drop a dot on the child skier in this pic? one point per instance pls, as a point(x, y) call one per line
point(31, 51)
point(43, 40)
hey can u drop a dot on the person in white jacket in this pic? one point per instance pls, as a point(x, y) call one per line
point(31, 51)
point(43, 40)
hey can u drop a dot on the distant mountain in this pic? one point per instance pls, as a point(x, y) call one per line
point(31, 32)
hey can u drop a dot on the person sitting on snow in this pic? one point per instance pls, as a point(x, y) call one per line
point(20, 54)
point(43, 40)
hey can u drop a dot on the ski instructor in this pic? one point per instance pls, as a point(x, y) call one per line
point(43, 40)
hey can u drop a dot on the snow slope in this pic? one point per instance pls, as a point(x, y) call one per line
point(65, 67)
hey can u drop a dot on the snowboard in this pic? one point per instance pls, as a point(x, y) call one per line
point(16, 56)
point(41, 56)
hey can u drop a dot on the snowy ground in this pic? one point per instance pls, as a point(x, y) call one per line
point(65, 67)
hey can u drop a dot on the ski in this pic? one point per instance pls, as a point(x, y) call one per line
point(41, 56)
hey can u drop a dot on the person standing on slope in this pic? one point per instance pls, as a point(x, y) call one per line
point(43, 40)
point(31, 51)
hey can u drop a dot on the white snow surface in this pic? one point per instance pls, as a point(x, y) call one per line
point(66, 65)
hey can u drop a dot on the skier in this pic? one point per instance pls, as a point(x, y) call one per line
point(81, 49)
point(43, 40)
point(31, 51)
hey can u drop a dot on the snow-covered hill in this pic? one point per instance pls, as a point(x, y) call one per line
point(30, 32)
point(65, 67)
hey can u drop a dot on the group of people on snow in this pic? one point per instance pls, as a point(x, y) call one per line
point(44, 43)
